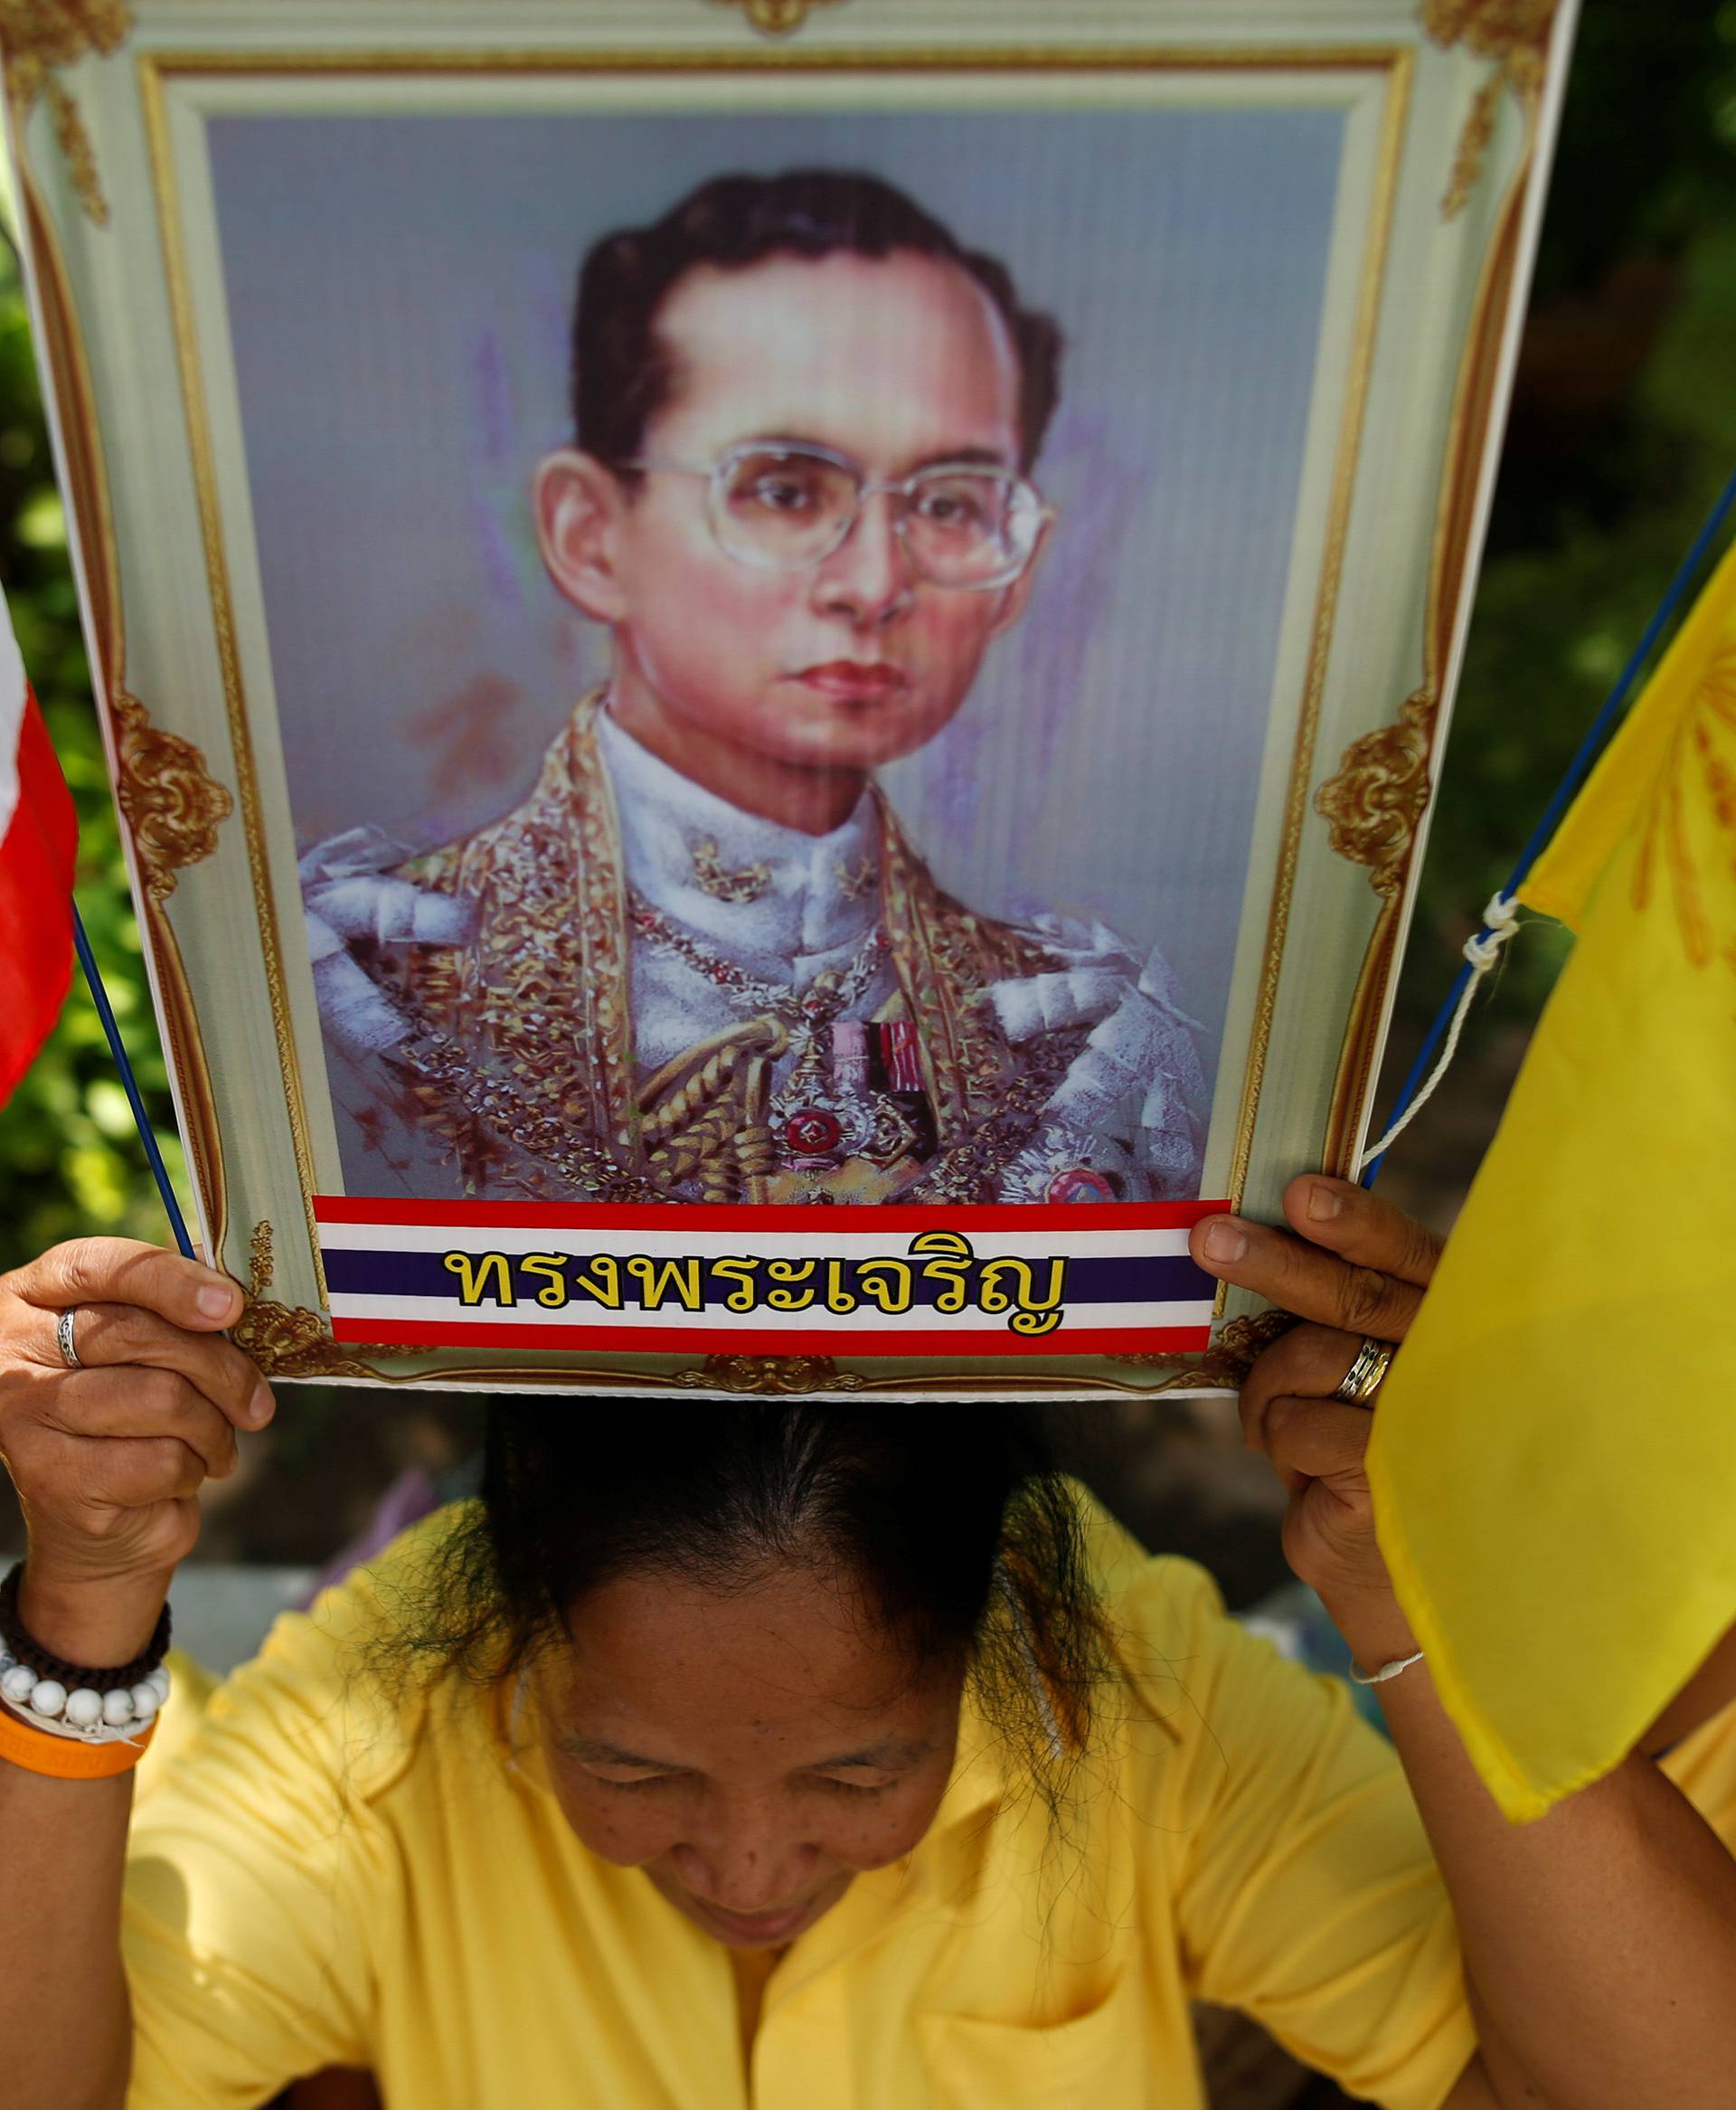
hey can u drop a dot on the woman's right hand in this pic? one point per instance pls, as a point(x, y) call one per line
point(109, 1458)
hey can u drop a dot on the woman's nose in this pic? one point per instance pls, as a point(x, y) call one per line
point(745, 1866)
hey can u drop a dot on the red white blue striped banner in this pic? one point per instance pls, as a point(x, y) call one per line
point(1101, 1279)
point(39, 841)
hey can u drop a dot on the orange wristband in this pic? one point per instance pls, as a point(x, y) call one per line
point(68, 1757)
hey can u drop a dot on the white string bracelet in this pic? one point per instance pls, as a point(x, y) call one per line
point(101, 1732)
point(1482, 949)
point(1386, 1671)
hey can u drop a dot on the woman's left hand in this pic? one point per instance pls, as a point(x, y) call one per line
point(1553, 1996)
point(1355, 1270)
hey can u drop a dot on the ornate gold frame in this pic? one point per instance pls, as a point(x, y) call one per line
point(1372, 805)
point(1375, 805)
point(171, 804)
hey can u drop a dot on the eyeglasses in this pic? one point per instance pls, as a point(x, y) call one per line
point(784, 507)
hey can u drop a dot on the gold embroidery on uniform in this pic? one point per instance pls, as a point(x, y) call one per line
point(746, 885)
point(856, 882)
point(706, 1113)
point(538, 999)
point(523, 1062)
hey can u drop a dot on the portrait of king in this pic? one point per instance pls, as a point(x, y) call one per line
point(702, 961)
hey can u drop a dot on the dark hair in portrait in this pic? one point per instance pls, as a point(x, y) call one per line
point(623, 374)
point(954, 1533)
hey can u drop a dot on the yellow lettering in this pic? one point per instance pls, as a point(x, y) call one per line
point(888, 1282)
point(475, 1271)
point(948, 1262)
point(744, 1274)
point(787, 1272)
point(552, 1268)
point(659, 1279)
point(1035, 1315)
point(604, 1280)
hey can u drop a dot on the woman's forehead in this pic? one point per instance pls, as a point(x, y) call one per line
point(894, 359)
point(666, 1668)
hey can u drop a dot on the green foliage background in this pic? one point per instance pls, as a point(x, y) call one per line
point(1624, 429)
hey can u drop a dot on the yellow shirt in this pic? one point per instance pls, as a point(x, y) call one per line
point(318, 1877)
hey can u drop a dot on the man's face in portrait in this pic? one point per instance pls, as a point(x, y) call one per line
point(750, 677)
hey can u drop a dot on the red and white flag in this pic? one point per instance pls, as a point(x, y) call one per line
point(38, 850)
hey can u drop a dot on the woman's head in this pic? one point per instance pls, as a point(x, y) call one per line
point(749, 1628)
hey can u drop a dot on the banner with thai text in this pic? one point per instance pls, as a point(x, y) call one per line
point(968, 1281)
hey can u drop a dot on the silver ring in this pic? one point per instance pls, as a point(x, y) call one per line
point(63, 1329)
point(1361, 1381)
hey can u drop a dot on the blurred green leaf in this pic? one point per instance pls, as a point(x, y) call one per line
point(42, 523)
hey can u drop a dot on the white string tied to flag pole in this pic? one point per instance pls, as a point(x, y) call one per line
point(1500, 919)
point(1481, 949)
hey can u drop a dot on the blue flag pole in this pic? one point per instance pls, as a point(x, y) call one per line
point(135, 1098)
point(1583, 756)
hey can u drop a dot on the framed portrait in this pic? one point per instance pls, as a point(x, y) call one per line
point(773, 667)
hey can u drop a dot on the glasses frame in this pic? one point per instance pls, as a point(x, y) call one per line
point(716, 474)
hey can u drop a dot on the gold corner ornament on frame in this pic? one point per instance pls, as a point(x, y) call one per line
point(40, 36)
point(776, 18)
point(1515, 34)
point(178, 805)
point(286, 1340)
point(173, 804)
point(760, 1375)
point(1372, 808)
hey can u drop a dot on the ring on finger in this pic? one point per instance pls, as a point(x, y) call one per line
point(1361, 1381)
point(65, 1328)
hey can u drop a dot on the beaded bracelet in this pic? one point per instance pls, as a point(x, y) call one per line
point(83, 1712)
point(18, 1644)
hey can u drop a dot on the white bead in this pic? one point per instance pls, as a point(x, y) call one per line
point(117, 1708)
point(145, 1701)
point(18, 1684)
point(84, 1708)
point(48, 1699)
point(158, 1682)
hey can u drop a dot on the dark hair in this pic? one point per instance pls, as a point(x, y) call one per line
point(623, 374)
point(952, 1527)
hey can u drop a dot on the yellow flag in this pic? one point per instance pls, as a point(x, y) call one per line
point(1554, 1456)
